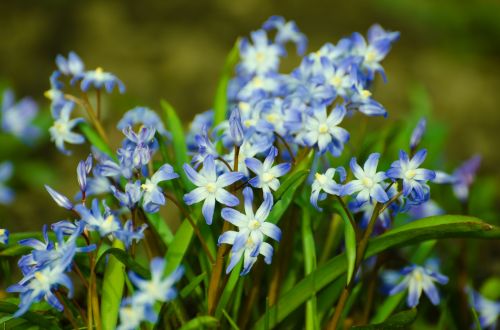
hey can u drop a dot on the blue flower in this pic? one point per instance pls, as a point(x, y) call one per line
point(462, 178)
point(252, 228)
point(104, 223)
point(414, 178)
point(425, 210)
point(138, 147)
point(82, 170)
point(4, 236)
point(247, 150)
point(418, 132)
point(266, 174)
point(321, 130)
point(338, 76)
point(205, 147)
point(17, 118)
point(142, 116)
point(260, 57)
point(55, 94)
point(488, 310)
point(362, 101)
point(128, 234)
point(159, 288)
point(369, 183)
point(61, 130)
point(71, 66)
point(153, 195)
point(367, 208)
point(286, 31)
point(59, 198)
point(40, 286)
point(99, 79)
point(6, 194)
point(373, 52)
point(210, 187)
point(235, 128)
point(416, 279)
point(131, 196)
point(325, 182)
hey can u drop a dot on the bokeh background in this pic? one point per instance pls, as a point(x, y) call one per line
point(176, 49)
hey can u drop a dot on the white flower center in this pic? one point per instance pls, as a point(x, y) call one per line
point(260, 57)
point(417, 275)
point(410, 174)
point(370, 56)
point(244, 106)
point(211, 187)
point(248, 122)
point(60, 127)
point(367, 182)
point(320, 177)
point(323, 128)
point(267, 177)
point(148, 186)
point(254, 224)
point(258, 82)
point(365, 93)
point(272, 118)
point(336, 81)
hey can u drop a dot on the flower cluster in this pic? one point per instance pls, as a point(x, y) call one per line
point(17, 118)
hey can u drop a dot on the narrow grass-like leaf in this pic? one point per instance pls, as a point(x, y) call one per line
point(126, 260)
point(186, 291)
point(32, 317)
point(174, 125)
point(112, 289)
point(309, 248)
point(95, 139)
point(285, 197)
point(438, 227)
point(233, 324)
point(401, 320)
point(229, 289)
point(201, 322)
point(220, 102)
point(160, 227)
point(350, 242)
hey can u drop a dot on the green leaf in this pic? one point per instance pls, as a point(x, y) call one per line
point(186, 291)
point(112, 289)
point(309, 248)
point(229, 289)
point(174, 125)
point(14, 251)
point(201, 322)
point(220, 102)
point(350, 241)
point(438, 227)
point(32, 317)
point(475, 318)
point(284, 196)
point(125, 258)
point(233, 324)
point(95, 139)
point(491, 288)
point(399, 320)
point(159, 225)
point(180, 244)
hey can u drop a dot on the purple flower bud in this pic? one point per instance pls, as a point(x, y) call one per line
point(60, 199)
point(418, 132)
point(235, 127)
point(84, 168)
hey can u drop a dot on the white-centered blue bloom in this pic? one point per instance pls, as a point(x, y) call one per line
point(4, 236)
point(152, 197)
point(325, 182)
point(369, 183)
point(210, 187)
point(260, 57)
point(252, 229)
point(414, 178)
point(488, 310)
point(160, 288)
point(104, 223)
point(17, 118)
point(99, 79)
point(6, 194)
point(40, 286)
point(321, 130)
point(142, 116)
point(138, 147)
point(71, 66)
point(128, 234)
point(417, 279)
point(131, 196)
point(266, 174)
point(61, 130)
point(462, 178)
point(286, 31)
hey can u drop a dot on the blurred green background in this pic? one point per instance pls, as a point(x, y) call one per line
point(176, 49)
